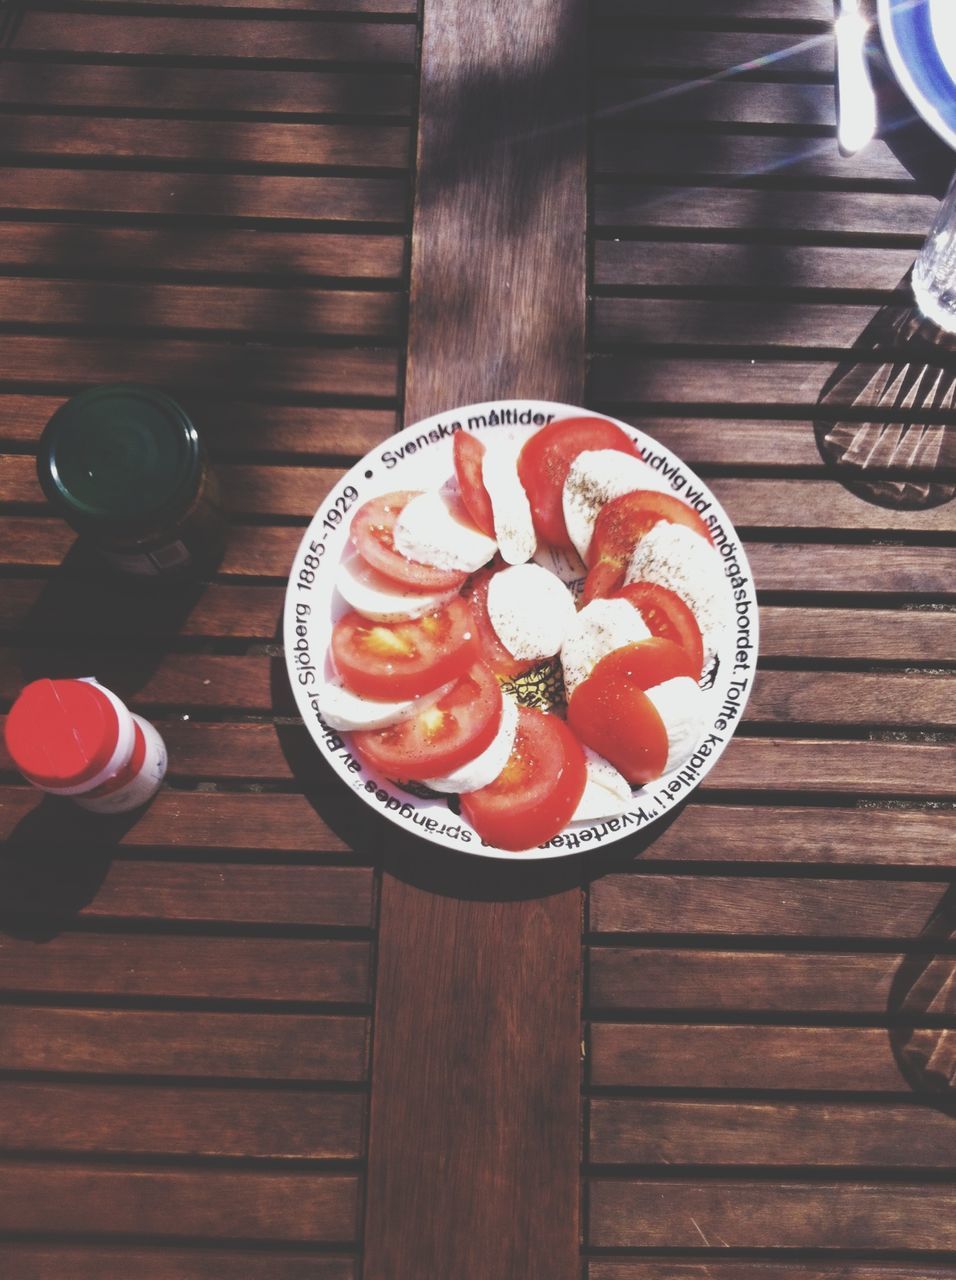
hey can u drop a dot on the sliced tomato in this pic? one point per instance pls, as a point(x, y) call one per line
point(537, 791)
point(404, 659)
point(372, 534)
point(611, 713)
point(443, 736)
point(502, 662)
point(667, 616)
point(620, 526)
point(469, 452)
point(545, 460)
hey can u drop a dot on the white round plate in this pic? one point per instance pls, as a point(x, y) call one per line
point(420, 457)
point(919, 37)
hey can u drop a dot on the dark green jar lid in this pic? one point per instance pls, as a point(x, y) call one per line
point(120, 458)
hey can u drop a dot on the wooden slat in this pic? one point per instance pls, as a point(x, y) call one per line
point(793, 907)
point(64, 84)
point(664, 1056)
point(220, 893)
point(817, 504)
point(922, 635)
point(782, 697)
point(720, 982)
point(712, 51)
point(659, 154)
point(203, 195)
point(229, 821)
point(372, 8)
point(668, 322)
point(476, 1173)
point(730, 208)
point(873, 836)
point(200, 968)
point(921, 770)
point(82, 1262)
point(751, 11)
point(255, 366)
point(151, 1120)
point(208, 37)
point(218, 1045)
point(237, 426)
point(738, 1214)
point(760, 382)
point(246, 490)
point(703, 266)
point(662, 1132)
point(95, 609)
point(674, 1267)
point(812, 567)
point(291, 145)
point(205, 1204)
point(114, 305)
point(637, 99)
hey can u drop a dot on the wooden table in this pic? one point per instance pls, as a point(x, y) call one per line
point(248, 1036)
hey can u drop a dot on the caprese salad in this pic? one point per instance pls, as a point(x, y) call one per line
point(452, 597)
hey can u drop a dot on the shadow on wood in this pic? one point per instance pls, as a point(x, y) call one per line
point(924, 990)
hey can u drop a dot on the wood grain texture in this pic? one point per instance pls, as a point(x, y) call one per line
point(187, 1045)
point(475, 1173)
point(832, 1135)
point(790, 907)
point(205, 1204)
point(674, 1055)
point(676, 1268)
point(236, 38)
point(725, 982)
point(200, 968)
point(90, 1262)
point(153, 1120)
point(784, 1215)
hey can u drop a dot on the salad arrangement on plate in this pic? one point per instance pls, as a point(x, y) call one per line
point(527, 640)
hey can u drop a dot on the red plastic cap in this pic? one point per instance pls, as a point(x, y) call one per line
point(61, 733)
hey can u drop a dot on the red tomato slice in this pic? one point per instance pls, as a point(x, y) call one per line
point(537, 791)
point(502, 662)
point(404, 659)
point(372, 532)
point(468, 452)
point(545, 460)
point(611, 713)
point(667, 616)
point(620, 526)
point(443, 736)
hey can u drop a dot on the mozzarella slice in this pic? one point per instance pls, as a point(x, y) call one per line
point(379, 598)
point(485, 767)
point(680, 559)
point(594, 478)
point(434, 529)
point(606, 791)
point(343, 710)
point(531, 610)
point(680, 704)
point(514, 527)
point(600, 627)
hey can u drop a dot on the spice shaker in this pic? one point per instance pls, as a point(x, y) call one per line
point(74, 738)
point(126, 468)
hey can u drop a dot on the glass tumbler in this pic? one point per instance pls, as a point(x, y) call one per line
point(934, 272)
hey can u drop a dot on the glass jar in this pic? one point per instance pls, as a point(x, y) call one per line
point(934, 271)
point(126, 468)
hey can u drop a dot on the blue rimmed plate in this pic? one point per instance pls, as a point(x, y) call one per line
point(920, 41)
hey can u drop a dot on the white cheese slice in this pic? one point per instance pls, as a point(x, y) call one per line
point(594, 478)
point(345, 711)
point(531, 610)
point(434, 529)
point(489, 763)
point(601, 627)
point(680, 704)
point(379, 598)
point(680, 559)
point(514, 527)
point(606, 791)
